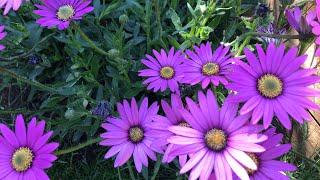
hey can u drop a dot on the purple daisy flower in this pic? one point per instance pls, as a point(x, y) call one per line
point(160, 126)
point(268, 165)
point(313, 19)
point(10, 4)
point(163, 71)
point(129, 135)
point(61, 13)
point(217, 140)
point(274, 84)
point(206, 66)
point(2, 35)
point(271, 29)
point(297, 21)
point(26, 153)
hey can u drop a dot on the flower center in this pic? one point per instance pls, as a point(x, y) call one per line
point(136, 134)
point(22, 159)
point(270, 86)
point(65, 12)
point(210, 69)
point(184, 124)
point(167, 72)
point(256, 160)
point(216, 139)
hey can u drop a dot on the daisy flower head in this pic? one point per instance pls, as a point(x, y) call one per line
point(161, 124)
point(217, 139)
point(274, 84)
point(3, 34)
point(164, 70)
point(313, 19)
point(206, 66)
point(129, 136)
point(297, 21)
point(60, 13)
point(7, 5)
point(271, 29)
point(268, 165)
point(26, 153)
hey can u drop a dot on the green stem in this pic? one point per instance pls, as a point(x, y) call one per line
point(29, 52)
point(80, 146)
point(131, 171)
point(90, 42)
point(25, 80)
point(156, 169)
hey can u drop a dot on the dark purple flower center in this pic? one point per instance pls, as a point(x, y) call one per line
point(167, 72)
point(216, 139)
point(22, 159)
point(65, 12)
point(136, 134)
point(210, 69)
point(184, 124)
point(270, 86)
point(256, 160)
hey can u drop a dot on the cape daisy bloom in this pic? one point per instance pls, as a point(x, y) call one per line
point(129, 136)
point(274, 84)
point(313, 19)
point(160, 126)
point(207, 67)
point(25, 153)
point(10, 4)
point(297, 21)
point(268, 165)
point(61, 13)
point(164, 71)
point(217, 140)
point(2, 35)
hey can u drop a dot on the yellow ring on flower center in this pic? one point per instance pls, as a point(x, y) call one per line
point(270, 86)
point(216, 139)
point(136, 134)
point(256, 160)
point(210, 69)
point(65, 12)
point(167, 72)
point(22, 159)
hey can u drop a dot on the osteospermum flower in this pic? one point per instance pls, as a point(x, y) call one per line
point(313, 19)
point(207, 67)
point(297, 21)
point(25, 153)
point(61, 13)
point(217, 140)
point(160, 124)
point(129, 136)
point(163, 71)
point(271, 29)
point(2, 35)
point(274, 84)
point(10, 4)
point(269, 167)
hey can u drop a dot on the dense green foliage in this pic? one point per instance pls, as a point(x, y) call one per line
point(61, 76)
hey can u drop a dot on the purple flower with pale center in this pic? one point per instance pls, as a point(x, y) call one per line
point(129, 136)
point(268, 165)
point(10, 4)
point(165, 70)
point(217, 139)
point(271, 29)
point(274, 84)
point(297, 21)
point(3, 34)
point(26, 153)
point(313, 19)
point(160, 126)
point(60, 13)
point(207, 67)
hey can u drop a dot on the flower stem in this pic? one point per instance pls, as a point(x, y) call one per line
point(156, 168)
point(89, 41)
point(25, 80)
point(131, 171)
point(80, 146)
